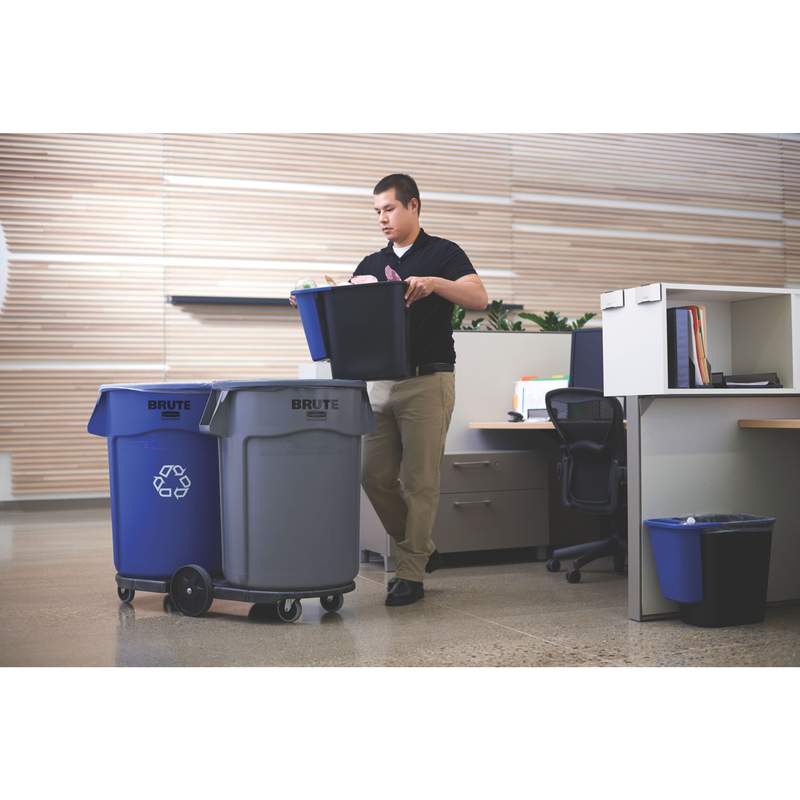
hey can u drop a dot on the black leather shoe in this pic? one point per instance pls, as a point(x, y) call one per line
point(434, 562)
point(402, 592)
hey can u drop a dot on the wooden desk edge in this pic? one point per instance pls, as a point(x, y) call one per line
point(544, 425)
point(778, 424)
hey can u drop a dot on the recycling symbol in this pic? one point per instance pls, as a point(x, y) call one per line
point(166, 485)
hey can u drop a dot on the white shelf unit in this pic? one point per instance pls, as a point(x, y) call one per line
point(750, 330)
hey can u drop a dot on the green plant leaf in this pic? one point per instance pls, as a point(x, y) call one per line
point(553, 321)
point(581, 321)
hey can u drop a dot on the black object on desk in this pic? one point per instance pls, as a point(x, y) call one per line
point(586, 359)
point(761, 380)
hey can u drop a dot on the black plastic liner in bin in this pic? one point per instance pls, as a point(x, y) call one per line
point(368, 333)
point(735, 565)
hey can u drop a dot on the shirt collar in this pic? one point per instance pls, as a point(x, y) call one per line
point(421, 240)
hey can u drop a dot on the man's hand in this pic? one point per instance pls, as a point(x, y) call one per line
point(417, 288)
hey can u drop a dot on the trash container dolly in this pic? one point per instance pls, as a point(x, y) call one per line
point(279, 441)
point(192, 590)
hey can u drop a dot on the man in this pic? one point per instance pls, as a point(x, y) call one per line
point(402, 458)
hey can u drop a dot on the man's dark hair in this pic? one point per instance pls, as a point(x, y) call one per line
point(405, 187)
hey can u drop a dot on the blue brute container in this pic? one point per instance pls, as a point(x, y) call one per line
point(312, 315)
point(715, 565)
point(164, 478)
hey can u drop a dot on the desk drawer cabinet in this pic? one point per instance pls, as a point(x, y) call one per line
point(491, 520)
point(492, 500)
point(502, 470)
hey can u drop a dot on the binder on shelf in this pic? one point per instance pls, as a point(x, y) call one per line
point(688, 366)
point(678, 341)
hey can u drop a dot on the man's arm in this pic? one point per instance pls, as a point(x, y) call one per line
point(468, 291)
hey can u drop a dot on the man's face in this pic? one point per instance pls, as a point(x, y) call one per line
point(395, 220)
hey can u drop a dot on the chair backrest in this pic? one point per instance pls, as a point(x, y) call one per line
point(592, 432)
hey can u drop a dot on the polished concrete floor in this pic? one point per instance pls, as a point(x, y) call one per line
point(58, 606)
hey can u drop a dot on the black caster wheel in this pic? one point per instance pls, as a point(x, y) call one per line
point(169, 605)
point(264, 611)
point(332, 602)
point(574, 576)
point(289, 610)
point(553, 565)
point(191, 590)
point(125, 594)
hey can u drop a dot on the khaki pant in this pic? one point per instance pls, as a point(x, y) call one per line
point(402, 460)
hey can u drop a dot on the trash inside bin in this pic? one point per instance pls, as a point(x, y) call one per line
point(368, 333)
point(290, 463)
point(716, 566)
point(163, 477)
point(312, 315)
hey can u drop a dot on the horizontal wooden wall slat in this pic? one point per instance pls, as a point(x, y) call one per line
point(308, 227)
point(120, 222)
point(790, 156)
point(81, 193)
point(83, 312)
point(570, 274)
point(739, 172)
point(43, 418)
point(651, 222)
point(439, 162)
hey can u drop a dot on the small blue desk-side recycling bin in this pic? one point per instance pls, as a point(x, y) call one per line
point(312, 315)
point(163, 475)
point(715, 565)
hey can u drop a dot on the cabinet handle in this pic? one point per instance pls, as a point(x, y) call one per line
point(472, 464)
point(459, 503)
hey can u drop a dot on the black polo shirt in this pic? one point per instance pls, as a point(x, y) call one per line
point(430, 318)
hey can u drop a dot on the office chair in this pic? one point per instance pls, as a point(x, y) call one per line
point(591, 471)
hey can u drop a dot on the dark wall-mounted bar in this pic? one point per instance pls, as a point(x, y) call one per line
point(210, 300)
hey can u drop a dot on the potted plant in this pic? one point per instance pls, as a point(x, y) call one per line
point(498, 319)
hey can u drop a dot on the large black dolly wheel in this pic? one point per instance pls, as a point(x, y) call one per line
point(192, 590)
point(332, 602)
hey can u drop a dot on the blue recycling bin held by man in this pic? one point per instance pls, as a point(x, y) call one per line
point(163, 476)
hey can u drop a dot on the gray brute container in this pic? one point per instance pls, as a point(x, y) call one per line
point(290, 469)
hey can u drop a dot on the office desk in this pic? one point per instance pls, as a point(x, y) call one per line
point(698, 454)
point(539, 425)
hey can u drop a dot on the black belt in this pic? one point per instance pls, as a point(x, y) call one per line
point(429, 369)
